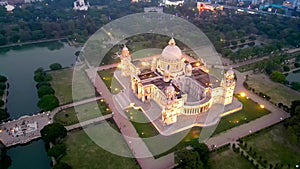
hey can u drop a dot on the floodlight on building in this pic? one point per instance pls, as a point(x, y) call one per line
point(242, 94)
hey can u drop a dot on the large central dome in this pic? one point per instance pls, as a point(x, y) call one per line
point(171, 52)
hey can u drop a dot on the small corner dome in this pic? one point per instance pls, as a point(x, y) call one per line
point(171, 52)
point(170, 89)
point(230, 72)
point(189, 66)
point(125, 48)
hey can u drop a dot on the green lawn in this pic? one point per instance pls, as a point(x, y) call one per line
point(141, 123)
point(62, 84)
point(278, 92)
point(250, 111)
point(111, 83)
point(275, 146)
point(83, 153)
point(84, 112)
point(229, 160)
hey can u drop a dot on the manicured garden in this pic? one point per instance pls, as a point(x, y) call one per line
point(251, 111)
point(82, 152)
point(145, 129)
point(111, 83)
point(83, 112)
point(141, 123)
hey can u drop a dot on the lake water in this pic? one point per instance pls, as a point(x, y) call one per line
point(18, 64)
point(31, 156)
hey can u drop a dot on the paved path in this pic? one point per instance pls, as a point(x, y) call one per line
point(134, 142)
point(233, 134)
point(88, 122)
point(42, 120)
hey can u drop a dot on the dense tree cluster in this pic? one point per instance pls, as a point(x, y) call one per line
point(56, 19)
point(53, 132)
point(197, 157)
point(292, 124)
point(61, 165)
point(55, 66)
point(57, 151)
point(3, 86)
point(5, 160)
point(277, 76)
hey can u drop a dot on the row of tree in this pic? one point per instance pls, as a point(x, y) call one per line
point(3, 86)
point(53, 134)
point(47, 99)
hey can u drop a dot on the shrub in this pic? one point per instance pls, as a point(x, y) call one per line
point(55, 66)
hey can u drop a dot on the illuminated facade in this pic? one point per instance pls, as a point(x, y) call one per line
point(81, 5)
point(179, 84)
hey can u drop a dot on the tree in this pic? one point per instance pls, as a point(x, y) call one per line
point(2, 86)
point(277, 76)
point(297, 64)
point(286, 68)
point(40, 84)
point(295, 107)
point(52, 132)
point(1, 103)
point(3, 115)
point(3, 78)
point(61, 165)
point(203, 152)
point(5, 160)
point(55, 66)
point(48, 102)
point(45, 90)
point(188, 159)
point(58, 150)
point(234, 42)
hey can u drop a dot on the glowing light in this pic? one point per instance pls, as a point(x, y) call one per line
point(262, 106)
point(242, 94)
point(198, 64)
point(102, 100)
point(0, 131)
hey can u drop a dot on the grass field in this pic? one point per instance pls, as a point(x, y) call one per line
point(83, 153)
point(229, 160)
point(275, 146)
point(250, 111)
point(111, 83)
point(278, 92)
point(141, 123)
point(62, 84)
point(145, 129)
point(83, 112)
